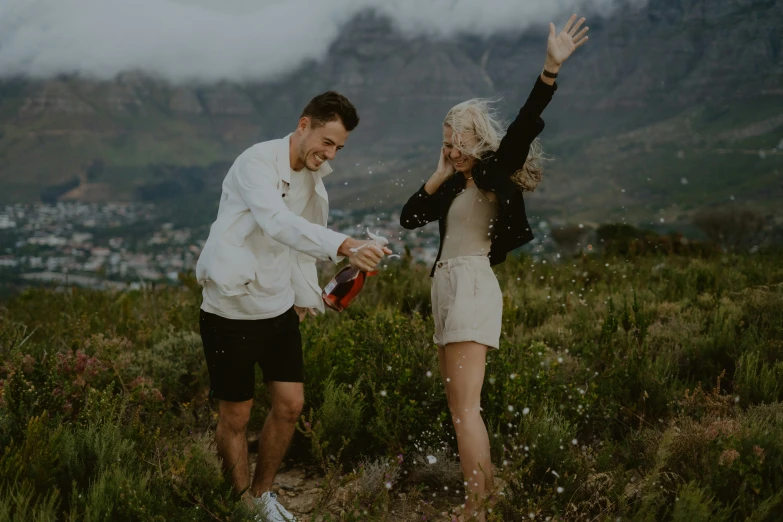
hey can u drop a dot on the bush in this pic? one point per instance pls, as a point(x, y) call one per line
point(175, 365)
point(730, 227)
point(758, 381)
point(374, 480)
point(695, 504)
point(664, 369)
point(20, 503)
point(341, 414)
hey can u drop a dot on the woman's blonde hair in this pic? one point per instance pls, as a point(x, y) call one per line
point(477, 118)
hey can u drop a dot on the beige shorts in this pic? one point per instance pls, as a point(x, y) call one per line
point(466, 302)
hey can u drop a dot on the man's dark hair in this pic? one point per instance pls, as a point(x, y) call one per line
point(331, 106)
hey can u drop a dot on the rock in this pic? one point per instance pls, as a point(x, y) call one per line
point(345, 494)
point(303, 503)
point(227, 99)
point(53, 96)
point(290, 479)
point(185, 101)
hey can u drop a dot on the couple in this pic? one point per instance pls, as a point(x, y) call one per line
point(259, 278)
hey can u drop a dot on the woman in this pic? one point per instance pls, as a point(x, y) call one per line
point(476, 196)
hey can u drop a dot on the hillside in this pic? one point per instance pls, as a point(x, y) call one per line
point(641, 388)
point(678, 89)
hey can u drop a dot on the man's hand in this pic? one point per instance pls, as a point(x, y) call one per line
point(364, 255)
point(303, 312)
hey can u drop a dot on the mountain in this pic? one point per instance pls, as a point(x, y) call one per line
point(664, 111)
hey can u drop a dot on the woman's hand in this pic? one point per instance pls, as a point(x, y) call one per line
point(445, 168)
point(561, 45)
point(444, 171)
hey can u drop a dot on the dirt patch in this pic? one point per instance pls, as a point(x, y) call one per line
point(300, 491)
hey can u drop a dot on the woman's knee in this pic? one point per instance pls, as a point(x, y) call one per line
point(461, 406)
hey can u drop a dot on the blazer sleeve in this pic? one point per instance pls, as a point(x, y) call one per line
point(515, 145)
point(421, 208)
point(254, 180)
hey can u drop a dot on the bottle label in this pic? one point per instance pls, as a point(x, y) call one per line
point(330, 286)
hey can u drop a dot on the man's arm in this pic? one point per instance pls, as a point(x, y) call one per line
point(255, 180)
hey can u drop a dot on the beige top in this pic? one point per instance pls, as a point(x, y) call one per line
point(469, 225)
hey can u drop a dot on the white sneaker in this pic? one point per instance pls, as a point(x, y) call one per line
point(270, 510)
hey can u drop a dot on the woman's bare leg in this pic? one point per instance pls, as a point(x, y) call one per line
point(462, 367)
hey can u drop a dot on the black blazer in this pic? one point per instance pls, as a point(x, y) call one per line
point(493, 173)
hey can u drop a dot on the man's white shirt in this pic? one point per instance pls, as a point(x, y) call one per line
point(259, 258)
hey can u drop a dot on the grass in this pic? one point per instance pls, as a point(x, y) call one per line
point(645, 388)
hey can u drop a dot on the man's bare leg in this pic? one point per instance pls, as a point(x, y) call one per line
point(231, 441)
point(287, 401)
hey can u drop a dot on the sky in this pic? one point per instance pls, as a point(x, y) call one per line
point(237, 40)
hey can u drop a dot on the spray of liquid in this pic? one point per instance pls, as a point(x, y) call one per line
point(378, 240)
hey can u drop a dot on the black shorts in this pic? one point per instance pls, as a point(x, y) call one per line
point(233, 347)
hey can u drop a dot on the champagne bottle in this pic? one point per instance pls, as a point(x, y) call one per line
point(348, 282)
point(344, 287)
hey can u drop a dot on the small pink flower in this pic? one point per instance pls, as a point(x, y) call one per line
point(759, 452)
point(728, 457)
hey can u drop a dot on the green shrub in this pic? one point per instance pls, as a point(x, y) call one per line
point(32, 457)
point(175, 364)
point(758, 381)
point(694, 504)
point(341, 413)
point(19, 503)
point(103, 400)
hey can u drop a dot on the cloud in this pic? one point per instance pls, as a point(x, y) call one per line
point(210, 40)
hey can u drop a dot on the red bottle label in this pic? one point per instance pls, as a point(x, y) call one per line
point(344, 287)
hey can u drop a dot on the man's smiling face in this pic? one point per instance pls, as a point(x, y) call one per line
point(321, 143)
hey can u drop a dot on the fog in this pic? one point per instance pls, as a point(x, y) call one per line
point(211, 40)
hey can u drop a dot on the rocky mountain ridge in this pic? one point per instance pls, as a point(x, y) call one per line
point(643, 67)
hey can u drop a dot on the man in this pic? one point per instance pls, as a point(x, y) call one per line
point(259, 281)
